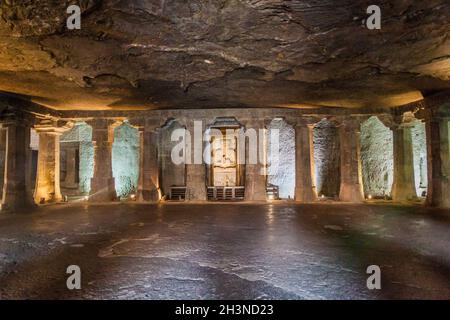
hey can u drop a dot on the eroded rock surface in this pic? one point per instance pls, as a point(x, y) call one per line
point(227, 53)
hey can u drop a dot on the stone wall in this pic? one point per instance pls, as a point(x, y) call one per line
point(170, 173)
point(420, 157)
point(125, 159)
point(327, 159)
point(282, 173)
point(377, 158)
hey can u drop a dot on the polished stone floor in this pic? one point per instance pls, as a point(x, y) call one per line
point(226, 251)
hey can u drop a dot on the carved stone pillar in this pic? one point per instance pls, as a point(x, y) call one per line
point(305, 189)
point(255, 176)
point(403, 187)
point(48, 170)
point(195, 167)
point(438, 152)
point(351, 189)
point(148, 184)
point(102, 182)
point(16, 195)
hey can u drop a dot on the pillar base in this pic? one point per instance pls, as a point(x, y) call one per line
point(103, 195)
point(148, 195)
point(351, 193)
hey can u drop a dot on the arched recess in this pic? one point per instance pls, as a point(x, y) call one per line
point(171, 174)
point(76, 160)
point(281, 157)
point(377, 158)
point(327, 159)
point(420, 157)
point(222, 154)
point(125, 159)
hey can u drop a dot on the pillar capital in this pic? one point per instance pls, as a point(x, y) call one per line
point(309, 122)
point(349, 123)
point(258, 123)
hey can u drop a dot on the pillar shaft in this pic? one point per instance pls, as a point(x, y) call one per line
point(70, 180)
point(195, 168)
point(48, 170)
point(255, 178)
point(438, 149)
point(148, 185)
point(16, 195)
point(403, 187)
point(102, 182)
point(351, 189)
point(305, 190)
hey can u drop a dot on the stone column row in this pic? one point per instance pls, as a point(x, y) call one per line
point(16, 136)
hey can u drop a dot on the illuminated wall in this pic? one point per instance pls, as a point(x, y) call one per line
point(327, 158)
point(282, 173)
point(125, 159)
point(82, 133)
point(377, 158)
point(420, 157)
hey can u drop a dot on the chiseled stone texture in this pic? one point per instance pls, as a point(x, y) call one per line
point(82, 133)
point(171, 174)
point(327, 158)
point(125, 159)
point(282, 173)
point(420, 157)
point(377, 158)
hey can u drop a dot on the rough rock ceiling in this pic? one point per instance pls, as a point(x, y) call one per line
point(132, 54)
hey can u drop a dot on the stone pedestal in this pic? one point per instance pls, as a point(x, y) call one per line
point(255, 178)
point(16, 193)
point(102, 182)
point(403, 187)
point(48, 169)
point(195, 167)
point(148, 185)
point(351, 189)
point(438, 145)
point(305, 190)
